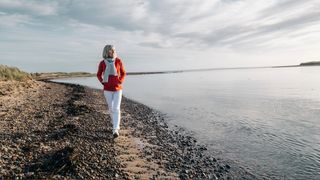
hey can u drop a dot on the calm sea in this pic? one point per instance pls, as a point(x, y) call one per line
point(265, 120)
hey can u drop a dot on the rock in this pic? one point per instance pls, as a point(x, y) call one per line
point(185, 171)
point(213, 177)
point(204, 175)
point(217, 175)
point(221, 167)
point(14, 158)
point(203, 148)
point(183, 176)
point(137, 177)
point(212, 159)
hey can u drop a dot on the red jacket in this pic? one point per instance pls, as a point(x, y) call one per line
point(114, 82)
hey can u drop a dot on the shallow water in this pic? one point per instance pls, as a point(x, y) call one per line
point(266, 120)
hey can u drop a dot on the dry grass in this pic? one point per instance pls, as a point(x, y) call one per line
point(13, 73)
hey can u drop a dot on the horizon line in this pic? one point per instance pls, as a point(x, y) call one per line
point(207, 69)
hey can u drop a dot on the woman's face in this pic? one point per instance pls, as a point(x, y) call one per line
point(111, 53)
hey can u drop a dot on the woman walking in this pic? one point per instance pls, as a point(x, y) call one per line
point(111, 74)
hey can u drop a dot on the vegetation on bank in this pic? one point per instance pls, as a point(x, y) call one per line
point(312, 63)
point(13, 73)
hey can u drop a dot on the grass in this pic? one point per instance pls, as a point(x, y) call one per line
point(13, 73)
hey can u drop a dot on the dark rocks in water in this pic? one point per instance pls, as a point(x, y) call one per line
point(203, 148)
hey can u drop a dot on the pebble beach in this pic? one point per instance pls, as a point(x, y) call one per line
point(62, 131)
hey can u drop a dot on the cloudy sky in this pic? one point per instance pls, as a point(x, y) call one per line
point(69, 35)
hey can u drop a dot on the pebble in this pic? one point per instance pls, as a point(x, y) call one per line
point(213, 177)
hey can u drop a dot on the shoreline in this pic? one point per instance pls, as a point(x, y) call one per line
point(61, 75)
point(59, 130)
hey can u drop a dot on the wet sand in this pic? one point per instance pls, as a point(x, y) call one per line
point(62, 131)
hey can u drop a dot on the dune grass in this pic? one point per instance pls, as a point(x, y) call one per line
point(13, 73)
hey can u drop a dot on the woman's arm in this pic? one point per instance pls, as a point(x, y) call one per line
point(99, 73)
point(122, 72)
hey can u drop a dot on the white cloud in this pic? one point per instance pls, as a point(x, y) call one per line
point(144, 29)
point(30, 6)
point(13, 20)
point(190, 23)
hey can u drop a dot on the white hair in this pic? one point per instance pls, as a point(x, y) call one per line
point(106, 50)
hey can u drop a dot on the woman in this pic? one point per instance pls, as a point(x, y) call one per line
point(111, 74)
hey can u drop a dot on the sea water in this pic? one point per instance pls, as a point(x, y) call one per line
point(266, 120)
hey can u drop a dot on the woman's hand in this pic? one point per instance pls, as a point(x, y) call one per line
point(119, 80)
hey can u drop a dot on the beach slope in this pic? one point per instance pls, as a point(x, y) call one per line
point(54, 130)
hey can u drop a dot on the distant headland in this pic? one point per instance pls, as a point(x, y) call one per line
point(311, 63)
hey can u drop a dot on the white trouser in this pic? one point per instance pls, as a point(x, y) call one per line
point(113, 99)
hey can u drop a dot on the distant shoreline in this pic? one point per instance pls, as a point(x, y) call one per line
point(315, 63)
point(60, 75)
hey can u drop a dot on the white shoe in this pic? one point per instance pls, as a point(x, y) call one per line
point(115, 134)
